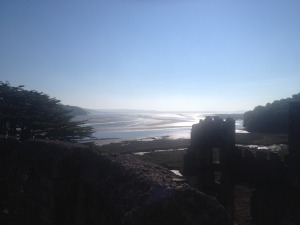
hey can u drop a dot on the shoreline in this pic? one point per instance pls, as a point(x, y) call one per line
point(150, 144)
point(169, 152)
point(143, 145)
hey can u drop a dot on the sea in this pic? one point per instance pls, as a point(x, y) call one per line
point(116, 126)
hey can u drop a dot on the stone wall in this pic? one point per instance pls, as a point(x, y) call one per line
point(277, 201)
point(48, 182)
point(215, 165)
point(258, 167)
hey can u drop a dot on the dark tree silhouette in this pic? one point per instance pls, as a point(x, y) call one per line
point(272, 118)
point(31, 114)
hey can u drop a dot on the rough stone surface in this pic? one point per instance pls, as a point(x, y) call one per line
point(48, 182)
point(277, 205)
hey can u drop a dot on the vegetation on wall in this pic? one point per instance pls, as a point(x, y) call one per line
point(30, 114)
point(271, 118)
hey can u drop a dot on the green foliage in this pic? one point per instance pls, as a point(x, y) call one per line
point(272, 118)
point(31, 114)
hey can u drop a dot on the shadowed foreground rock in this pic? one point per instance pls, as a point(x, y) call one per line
point(46, 182)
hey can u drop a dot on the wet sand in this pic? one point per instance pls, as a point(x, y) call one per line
point(165, 143)
point(144, 145)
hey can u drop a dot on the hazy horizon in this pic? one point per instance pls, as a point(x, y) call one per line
point(165, 111)
point(153, 55)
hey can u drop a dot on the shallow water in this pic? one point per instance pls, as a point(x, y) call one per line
point(161, 150)
point(176, 172)
point(119, 126)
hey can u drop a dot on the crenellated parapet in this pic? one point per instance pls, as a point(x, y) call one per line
point(209, 158)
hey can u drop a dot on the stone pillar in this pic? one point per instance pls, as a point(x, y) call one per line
point(293, 159)
point(226, 163)
point(207, 137)
point(294, 128)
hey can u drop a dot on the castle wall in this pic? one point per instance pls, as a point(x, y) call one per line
point(276, 179)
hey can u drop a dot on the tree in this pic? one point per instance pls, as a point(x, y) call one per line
point(31, 114)
point(272, 118)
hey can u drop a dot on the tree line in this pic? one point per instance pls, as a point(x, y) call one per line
point(271, 118)
point(28, 114)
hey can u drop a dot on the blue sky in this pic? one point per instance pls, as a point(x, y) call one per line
point(153, 54)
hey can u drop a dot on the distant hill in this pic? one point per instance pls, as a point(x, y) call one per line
point(271, 118)
point(75, 110)
point(235, 116)
point(120, 111)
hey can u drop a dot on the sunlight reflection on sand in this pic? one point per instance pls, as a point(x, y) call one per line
point(113, 127)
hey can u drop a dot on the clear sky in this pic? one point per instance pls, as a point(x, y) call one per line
point(153, 54)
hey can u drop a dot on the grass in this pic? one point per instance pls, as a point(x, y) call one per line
point(260, 139)
point(128, 147)
point(174, 159)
